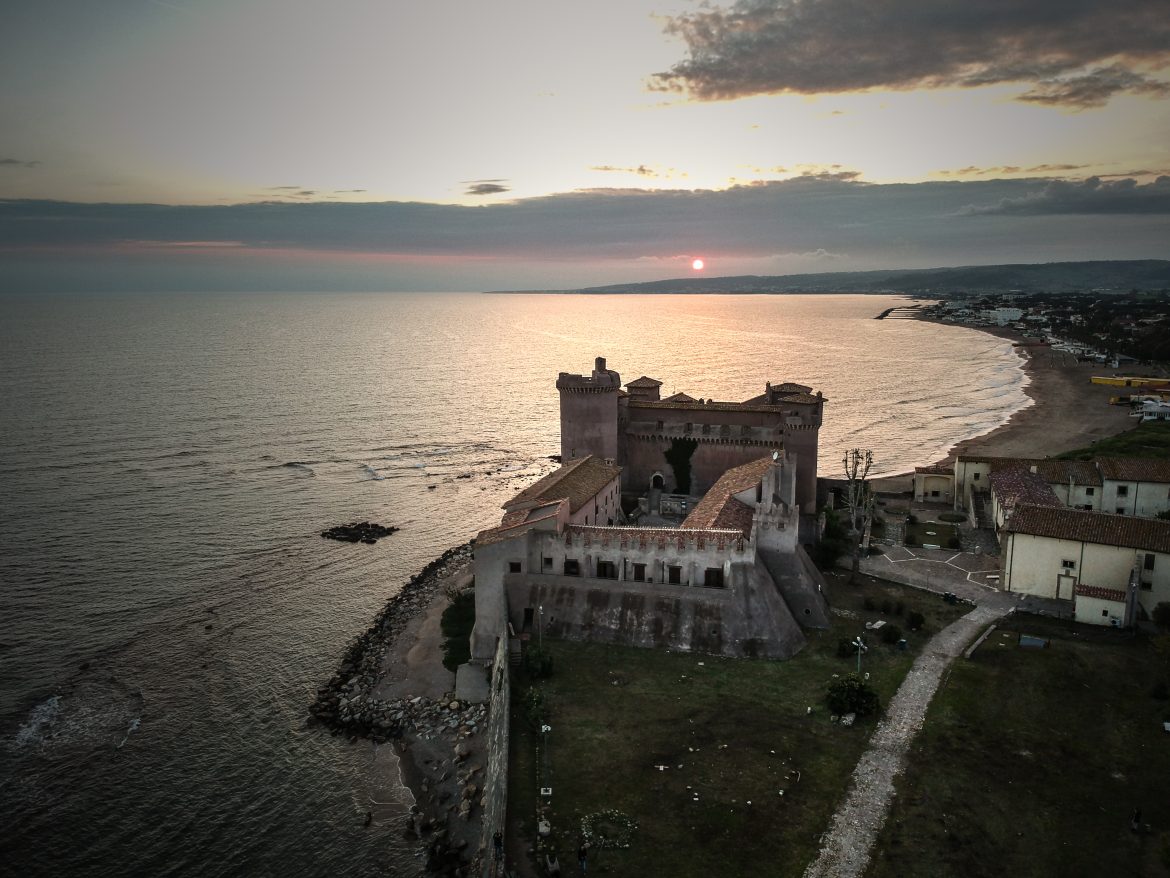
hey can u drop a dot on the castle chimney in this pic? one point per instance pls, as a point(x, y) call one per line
point(599, 364)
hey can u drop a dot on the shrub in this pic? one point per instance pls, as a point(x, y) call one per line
point(456, 623)
point(1161, 615)
point(534, 707)
point(870, 605)
point(826, 552)
point(891, 634)
point(537, 663)
point(851, 694)
point(899, 608)
point(887, 607)
point(915, 620)
point(845, 648)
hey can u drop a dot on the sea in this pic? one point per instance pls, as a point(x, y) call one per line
point(167, 463)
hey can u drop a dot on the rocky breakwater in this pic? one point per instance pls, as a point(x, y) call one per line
point(440, 736)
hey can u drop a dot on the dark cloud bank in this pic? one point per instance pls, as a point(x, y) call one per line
point(1074, 53)
point(861, 225)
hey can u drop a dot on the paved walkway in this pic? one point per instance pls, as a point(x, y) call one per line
point(845, 848)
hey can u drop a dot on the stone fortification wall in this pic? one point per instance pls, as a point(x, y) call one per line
point(801, 443)
point(747, 619)
point(495, 781)
point(645, 455)
point(694, 551)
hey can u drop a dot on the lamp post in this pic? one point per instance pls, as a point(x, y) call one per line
point(540, 629)
point(861, 647)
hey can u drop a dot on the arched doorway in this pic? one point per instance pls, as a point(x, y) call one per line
point(657, 481)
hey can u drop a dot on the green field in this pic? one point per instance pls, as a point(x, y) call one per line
point(1032, 762)
point(1151, 439)
point(696, 750)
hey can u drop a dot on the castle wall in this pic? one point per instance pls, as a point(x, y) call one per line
point(749, 619)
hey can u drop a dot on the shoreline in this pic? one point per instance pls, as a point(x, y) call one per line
point(1065, 411)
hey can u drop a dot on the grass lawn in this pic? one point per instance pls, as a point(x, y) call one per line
point(730, 735)
point(1032, 762)
point(1151, 439)
point(932, 533)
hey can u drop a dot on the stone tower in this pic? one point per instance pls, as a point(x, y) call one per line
point(589, 413)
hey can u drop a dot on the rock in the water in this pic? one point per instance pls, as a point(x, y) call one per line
point(358, 531)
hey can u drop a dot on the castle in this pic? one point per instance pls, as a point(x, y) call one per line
point(730, 578)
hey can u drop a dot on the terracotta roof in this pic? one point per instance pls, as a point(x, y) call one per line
point(711, 406)
point(1102, 594)
point(936, 469)
point(679, 397)
point(1058, 522)
point(1134, 469)
point(643, 382)
point(1000, 462)
point(507, 531)
point(791, 387)
point(578, 481)
point(1061, 472)
point(719, 508)
point(1017, 485)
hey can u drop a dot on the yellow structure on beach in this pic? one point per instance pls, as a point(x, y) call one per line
point(1121, 381)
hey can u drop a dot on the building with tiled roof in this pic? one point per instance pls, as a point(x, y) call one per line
point(641, 431)
point(1014, 486)
point(729, 580)
point(1053, 551)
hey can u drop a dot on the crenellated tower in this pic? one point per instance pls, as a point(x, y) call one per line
point(589, 413)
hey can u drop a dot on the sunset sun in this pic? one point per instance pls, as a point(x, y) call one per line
point(697, 265)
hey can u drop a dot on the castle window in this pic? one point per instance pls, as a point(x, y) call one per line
point(1070, 565)
point(639, 573)
point(606, 570)
point(713, 577)
point(546, 563)
point(975, 477)
point(572, 567)
point(1089, 492)
point(1149, 563)
point(658, 425)
point(674, 575)
point(706, 429)
point(745, 430)
point(1123, 490)
point(513, 566)
point(688, 427)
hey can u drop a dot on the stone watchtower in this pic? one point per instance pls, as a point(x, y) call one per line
point(589, 413)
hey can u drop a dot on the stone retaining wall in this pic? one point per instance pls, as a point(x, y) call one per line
point(495, 781)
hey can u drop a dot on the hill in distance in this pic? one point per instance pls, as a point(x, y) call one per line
point(1055, 277)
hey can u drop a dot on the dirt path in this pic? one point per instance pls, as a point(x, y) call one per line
point(845, 848)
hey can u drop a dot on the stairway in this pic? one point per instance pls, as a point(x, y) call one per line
point(982, 518)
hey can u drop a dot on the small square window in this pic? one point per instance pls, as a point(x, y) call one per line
point(1120, 510)
point(513, 566)
point(674, 575)
point(1104, 612)
point(1070, 565)
point(975, 477)
point(546, 563)
point(1123, 490)
point(639, 573)
point(572, 567)
point(1089, 492)
point(1149, 562)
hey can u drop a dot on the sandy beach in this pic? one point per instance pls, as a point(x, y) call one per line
point(1066, 411)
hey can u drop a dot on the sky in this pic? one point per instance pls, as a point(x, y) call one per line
point(460, 145)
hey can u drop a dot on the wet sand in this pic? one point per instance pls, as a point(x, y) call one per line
point(1066, 412)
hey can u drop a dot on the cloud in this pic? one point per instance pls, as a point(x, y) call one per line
point(17, 163)
point(486, 187)
point(641, 170)
point(1074, 54)
point(1044, 169)
point(813, 218)
point(1091, 196)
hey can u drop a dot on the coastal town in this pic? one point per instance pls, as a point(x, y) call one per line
point(686, 541)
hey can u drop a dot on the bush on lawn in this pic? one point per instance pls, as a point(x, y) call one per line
point(851, 694)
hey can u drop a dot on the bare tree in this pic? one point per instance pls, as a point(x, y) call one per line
point(858, 498)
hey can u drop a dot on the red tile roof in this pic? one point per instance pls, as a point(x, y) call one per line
point(1102, 594)
point(1134, 469)
point(936, 469)
point(1018, 485)
point(719, 508)
point(578, 481)
point(1061, 472)
point(679, 397)
point(1058, 522)
point(643, 382)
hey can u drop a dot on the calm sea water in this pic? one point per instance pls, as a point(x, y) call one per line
point(166, 464)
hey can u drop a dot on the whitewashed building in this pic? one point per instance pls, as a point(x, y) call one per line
point(1056, 552)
